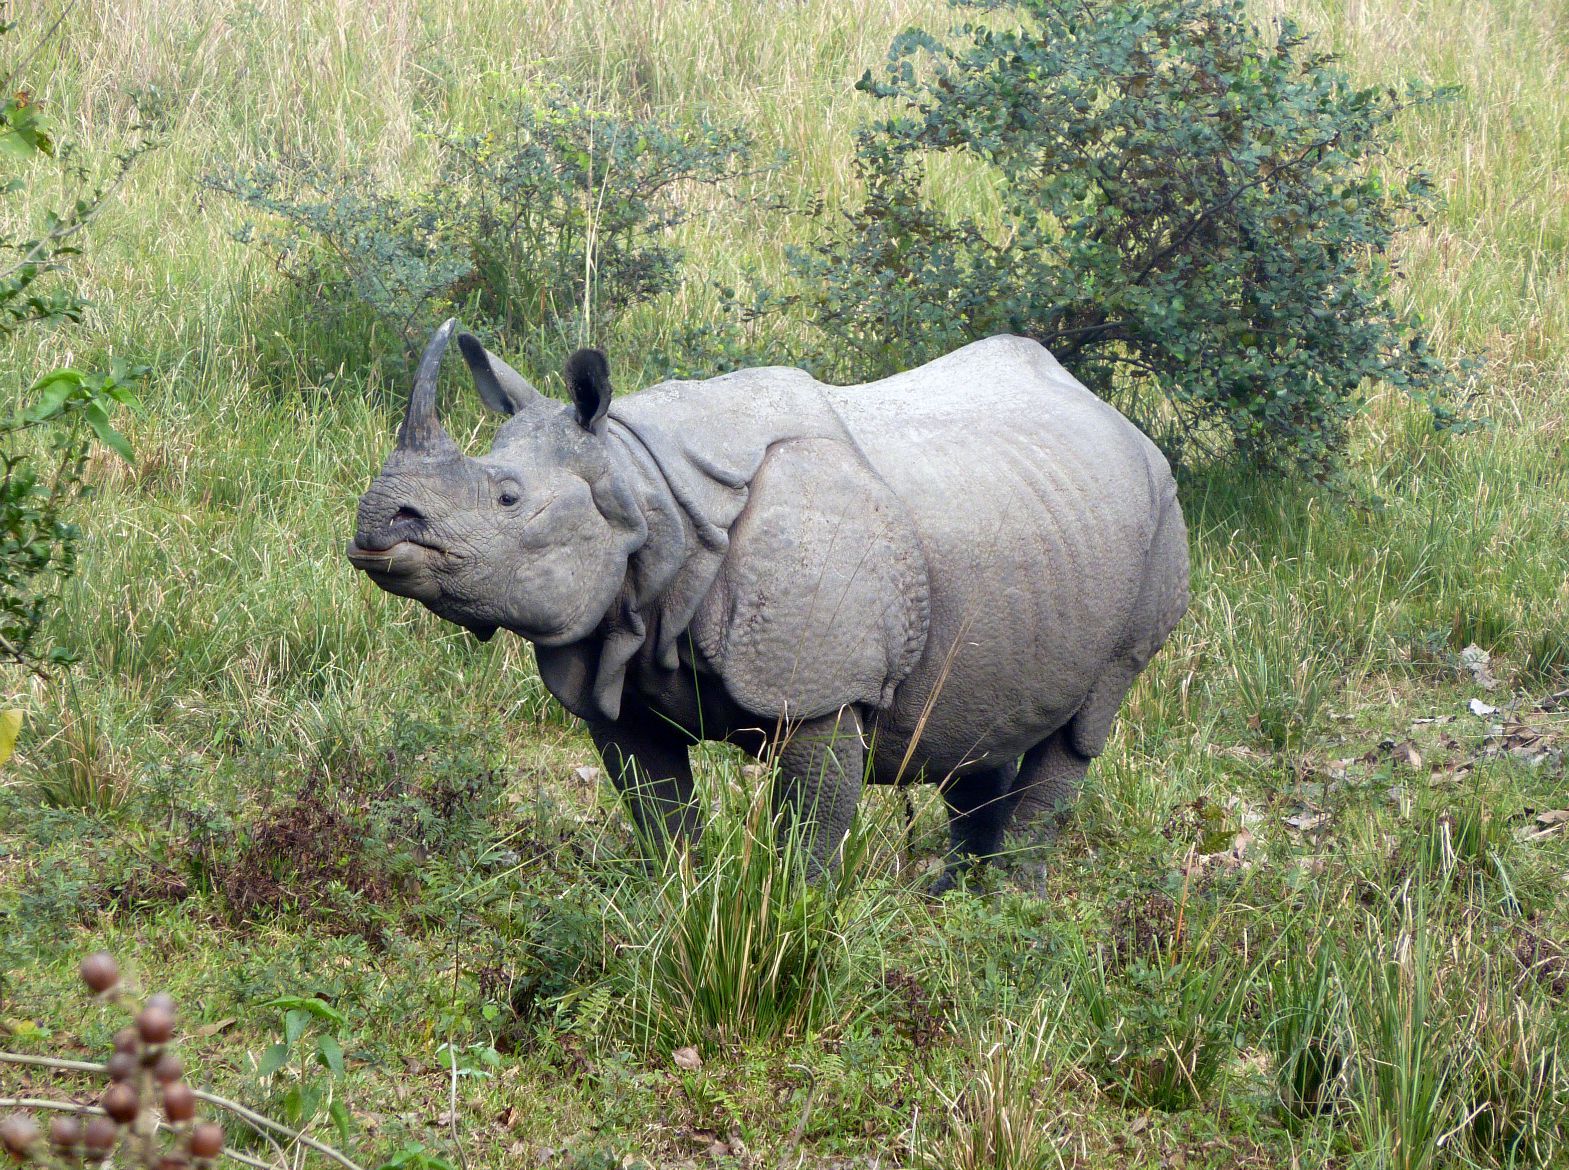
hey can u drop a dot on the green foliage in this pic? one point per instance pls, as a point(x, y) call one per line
point(1197, 222)
point(734, 945)
point(540, 232)
point(307, 1059)
point(1308, 1029)
point(1406, 1100)
point(1517, 1102)
point(1163, 1025)
point(42, 475)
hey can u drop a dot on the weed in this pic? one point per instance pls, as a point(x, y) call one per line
point(79, 766)
point(1405, 1102)
point(1162, 1027)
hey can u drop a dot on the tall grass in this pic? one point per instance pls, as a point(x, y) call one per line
point(730, 944)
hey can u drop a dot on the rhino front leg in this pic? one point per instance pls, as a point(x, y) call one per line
point(821, 766)
point(646, 760)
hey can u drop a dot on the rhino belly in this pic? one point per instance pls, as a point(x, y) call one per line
point(1034, 558)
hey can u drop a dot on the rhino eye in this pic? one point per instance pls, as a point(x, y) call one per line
point(507, 499)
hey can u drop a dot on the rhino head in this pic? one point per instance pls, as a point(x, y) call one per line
point(534, 536)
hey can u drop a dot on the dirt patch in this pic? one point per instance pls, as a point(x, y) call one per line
point(1542, 961)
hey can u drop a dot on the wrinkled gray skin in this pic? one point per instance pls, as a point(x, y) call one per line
point(951, 575)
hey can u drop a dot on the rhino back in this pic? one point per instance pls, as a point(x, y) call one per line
point(1035, 504)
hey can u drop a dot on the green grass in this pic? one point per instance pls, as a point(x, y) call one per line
point(241, 683)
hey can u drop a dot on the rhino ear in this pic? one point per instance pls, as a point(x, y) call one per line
point(588, 381)
point(500, 387)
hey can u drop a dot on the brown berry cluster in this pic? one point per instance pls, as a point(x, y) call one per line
point(145, 1080)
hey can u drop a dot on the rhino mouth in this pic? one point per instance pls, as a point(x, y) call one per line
point(402, 567)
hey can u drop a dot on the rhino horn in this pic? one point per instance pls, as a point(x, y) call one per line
point(422, 432)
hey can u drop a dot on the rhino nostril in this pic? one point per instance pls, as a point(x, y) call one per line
point(408, 513)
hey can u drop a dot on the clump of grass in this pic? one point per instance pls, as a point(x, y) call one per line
point(1163, 1026)
point(1405, 1101)
point(1308, 1029)
point(733, 944)
point(1001, 1119)
point(1516, 1102)
point(79, 766)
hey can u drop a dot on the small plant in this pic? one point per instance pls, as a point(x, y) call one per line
point(540, 231)
point(309, 1045)
point(1162, 1026)
point(1196, 217)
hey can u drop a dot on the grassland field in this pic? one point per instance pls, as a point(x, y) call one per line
point(323, 793)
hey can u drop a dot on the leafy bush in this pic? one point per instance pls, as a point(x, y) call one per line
point(44, 446)
point(1162, 1028)
point(1194, 216)
point(540, 232)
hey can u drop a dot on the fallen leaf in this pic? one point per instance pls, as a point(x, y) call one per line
point(589, 774)
point(687, 1058)
point(1306, 822)
point(1478, 664)
point(1481, 709)
point(214, 1028)
point(10, 728)
point(1553, 818)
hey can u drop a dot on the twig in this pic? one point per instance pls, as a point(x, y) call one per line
point(234, 1107)
point(95, 1111)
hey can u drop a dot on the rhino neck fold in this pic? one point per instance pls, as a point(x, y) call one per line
point(668, 575)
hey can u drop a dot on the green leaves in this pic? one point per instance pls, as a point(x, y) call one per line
point(1196, 219)
point(22, 134)
point(306, 1095)
point(540, 232)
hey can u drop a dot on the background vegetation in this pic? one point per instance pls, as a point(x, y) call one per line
point(1312, 907)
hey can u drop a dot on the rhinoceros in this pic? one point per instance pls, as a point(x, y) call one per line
point(952, 575)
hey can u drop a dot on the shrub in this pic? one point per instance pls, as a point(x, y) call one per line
point(44, 446)
point(540, 232)
point(1194, 216)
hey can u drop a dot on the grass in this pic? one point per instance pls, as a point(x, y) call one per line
point(243, 687)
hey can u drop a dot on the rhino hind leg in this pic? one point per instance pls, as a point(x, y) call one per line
point(979, 806)
point(647, 762)
point(1048, 785)
point(821, 768)
point(1052, 771)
